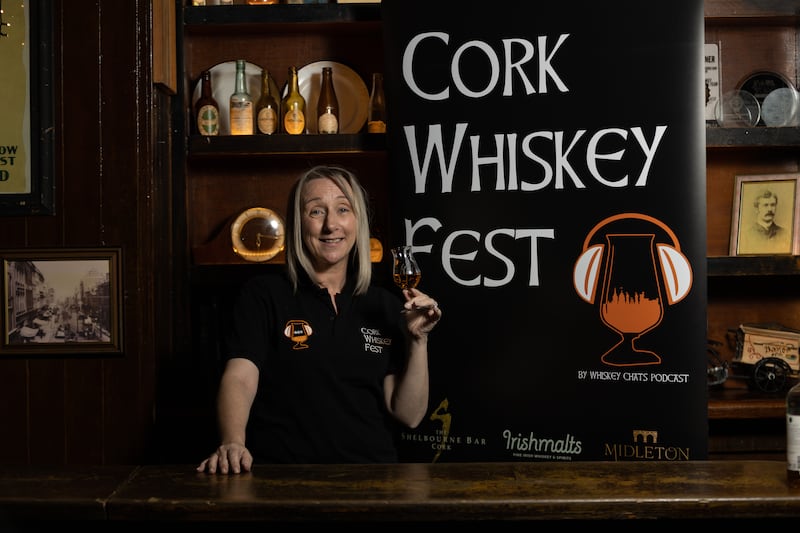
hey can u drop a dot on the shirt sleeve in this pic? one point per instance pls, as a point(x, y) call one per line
point(249, 332)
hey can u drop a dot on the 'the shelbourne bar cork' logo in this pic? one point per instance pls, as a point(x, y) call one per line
point(645, 447)
point(442, 441)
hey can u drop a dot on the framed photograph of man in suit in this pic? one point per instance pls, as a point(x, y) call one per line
point(766, 215)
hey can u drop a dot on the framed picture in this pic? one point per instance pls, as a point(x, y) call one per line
point(27, 184)
point(766, 215)
point(165, 67)
point(62, 301)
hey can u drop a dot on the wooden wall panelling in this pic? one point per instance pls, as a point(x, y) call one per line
point(746, 49)
point(129, 381)
point(14, 411)
point(77, 392)
point(93, 409)
point(130, 187)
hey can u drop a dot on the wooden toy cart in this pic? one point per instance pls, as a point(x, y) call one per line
point(767, 355)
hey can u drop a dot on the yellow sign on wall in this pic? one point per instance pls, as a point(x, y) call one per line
point(15, 133)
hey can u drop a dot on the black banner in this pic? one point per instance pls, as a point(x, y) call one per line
point(548, 166)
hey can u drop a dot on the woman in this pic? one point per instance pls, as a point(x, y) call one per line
point(322, 365)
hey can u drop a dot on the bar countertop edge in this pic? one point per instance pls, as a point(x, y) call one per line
point(405, 493)
point(438, 492)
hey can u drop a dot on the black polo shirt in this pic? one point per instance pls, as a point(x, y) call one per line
point(320, 393)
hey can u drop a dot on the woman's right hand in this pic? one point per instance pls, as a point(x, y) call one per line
point(231, 458)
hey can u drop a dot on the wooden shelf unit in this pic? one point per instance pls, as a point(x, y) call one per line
point(752, 37)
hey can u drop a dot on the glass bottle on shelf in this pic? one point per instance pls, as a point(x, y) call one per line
point(293, 107)
point(328, 104)
point(793, 436)
point(206, 109)
point(376, 118)
point(242, 108)
point(267, 110)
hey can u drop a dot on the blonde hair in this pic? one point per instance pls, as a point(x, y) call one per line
point(297, 256)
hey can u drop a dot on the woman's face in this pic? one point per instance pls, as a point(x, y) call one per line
point(328, 223)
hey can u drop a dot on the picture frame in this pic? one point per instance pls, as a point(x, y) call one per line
point(62, 301)
point(165, 63)
point(772, 198)
point(27, 182)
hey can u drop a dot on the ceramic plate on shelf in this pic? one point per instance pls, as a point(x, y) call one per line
point(351, 92)
point(223, 79)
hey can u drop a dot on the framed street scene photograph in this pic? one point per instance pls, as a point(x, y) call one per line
point(61, 301)
point(766, 215)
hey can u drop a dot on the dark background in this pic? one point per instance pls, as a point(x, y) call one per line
point(506, 358)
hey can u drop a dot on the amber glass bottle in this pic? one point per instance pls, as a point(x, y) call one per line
point(328, 104)
point(293, 107)
point(267, 111)
point(376, 118)
point(793, 436)
point(206, 109)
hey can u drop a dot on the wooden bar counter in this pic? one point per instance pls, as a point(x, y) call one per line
point(402, 494)
point(45, 493)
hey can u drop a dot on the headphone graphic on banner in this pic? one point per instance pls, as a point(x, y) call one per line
point(631, 290)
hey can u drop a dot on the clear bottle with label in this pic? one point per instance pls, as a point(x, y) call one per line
point(328, 104)
point(793, 436)
point(242, 107)
point(206, 109)
point(376, 118)
point(267, 111)
point(293, 107)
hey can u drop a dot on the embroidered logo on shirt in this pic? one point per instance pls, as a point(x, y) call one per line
point(374, 340)
point(298, 331)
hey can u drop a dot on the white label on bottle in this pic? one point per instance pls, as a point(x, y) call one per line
point(328, 123)
point(793, 442)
